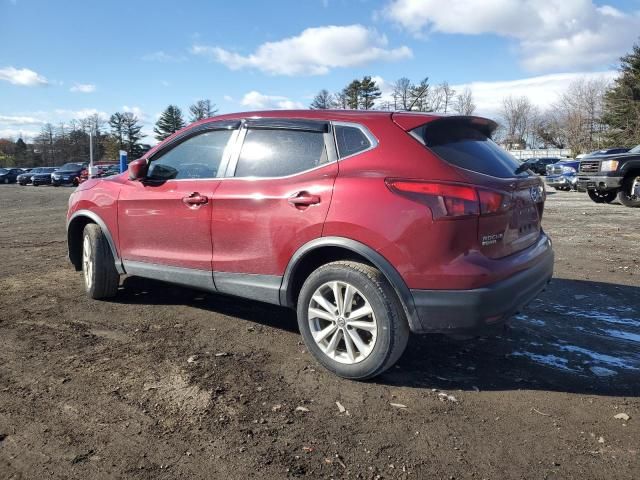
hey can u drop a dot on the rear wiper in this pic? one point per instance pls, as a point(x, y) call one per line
point(521, 168)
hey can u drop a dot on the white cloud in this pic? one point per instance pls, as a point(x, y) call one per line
point(314, 52)
point(137, 111)
point(83, 88)
point(20, 120)
point(228, 98)
point(259, 101)
point(542, 90)
point(65, 114)
point(163, 57)
point(22, 76)
point(550, 34)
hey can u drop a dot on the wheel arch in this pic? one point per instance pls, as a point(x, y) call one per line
point(75, 228)
point(328, 249)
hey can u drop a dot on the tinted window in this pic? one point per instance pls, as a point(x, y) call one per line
point(277, 153)
point(196, 157)
point(468, 147)
point(350, 140)
point(68, 167)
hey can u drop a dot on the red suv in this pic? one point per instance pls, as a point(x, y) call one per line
point(370, 224)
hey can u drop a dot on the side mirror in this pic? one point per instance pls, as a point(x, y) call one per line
point(138, 169)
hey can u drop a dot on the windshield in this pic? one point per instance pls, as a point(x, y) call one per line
point(69, 167)
point(3, 170)
point(48, 170)
point(635, 149)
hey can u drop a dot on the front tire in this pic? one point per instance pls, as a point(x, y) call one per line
point(625, 195)
point(99, 272)
point(602, 197)
point(351, 320)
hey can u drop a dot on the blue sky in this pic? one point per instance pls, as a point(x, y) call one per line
point(64, 59)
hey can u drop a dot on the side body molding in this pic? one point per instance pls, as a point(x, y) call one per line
point(377, 260)
point(77, 217)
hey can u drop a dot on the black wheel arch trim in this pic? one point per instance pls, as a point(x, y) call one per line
point(95, 218)
point(377, 260)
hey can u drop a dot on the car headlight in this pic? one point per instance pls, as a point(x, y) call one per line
point(568, 170)
point(609, 166)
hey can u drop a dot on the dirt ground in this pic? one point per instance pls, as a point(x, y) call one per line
point(165, 382)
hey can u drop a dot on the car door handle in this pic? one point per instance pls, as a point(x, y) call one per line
point(303, 199)
point(195, 199)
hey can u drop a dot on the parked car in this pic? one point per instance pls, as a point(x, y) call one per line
point(370, 224)
point(9, 175)
point(539, 164)
point(43, 177)
point(563, 175)
point(608, 177)
point(68, 174)
point(25, 178)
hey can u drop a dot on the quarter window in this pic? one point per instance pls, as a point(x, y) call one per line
point(350, 140)
point(196, 157)
point(280, 152)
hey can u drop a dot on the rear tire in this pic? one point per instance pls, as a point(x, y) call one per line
point(602, 197)
point(358, 338)
point(625, 195)
point(99, 272)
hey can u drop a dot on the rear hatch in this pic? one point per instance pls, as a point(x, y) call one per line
point(511, 198)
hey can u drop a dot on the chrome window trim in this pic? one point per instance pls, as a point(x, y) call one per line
point(366, 132)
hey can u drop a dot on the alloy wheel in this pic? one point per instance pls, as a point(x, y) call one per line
point(342, 322)
point(87, 262)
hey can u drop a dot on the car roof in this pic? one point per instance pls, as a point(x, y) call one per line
point(323, 115)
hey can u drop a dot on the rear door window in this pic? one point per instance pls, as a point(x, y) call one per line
point(468, 146)
point(280, 152)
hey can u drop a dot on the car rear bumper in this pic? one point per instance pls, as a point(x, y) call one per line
point(598, 182)
point(471, 311)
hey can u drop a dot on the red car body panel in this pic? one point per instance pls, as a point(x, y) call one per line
point(156, 226)
point(257, 229)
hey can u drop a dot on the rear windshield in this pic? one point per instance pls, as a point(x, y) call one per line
point(467, 146)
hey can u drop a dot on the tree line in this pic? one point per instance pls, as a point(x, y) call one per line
point(69, 141)
point(365, 94)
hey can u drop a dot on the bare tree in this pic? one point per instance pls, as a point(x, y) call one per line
point(579, 114)
point(518, 115)
point(448, 94)
point(202, 109)
point(322, 101)
point(402, 93)
point(463, 103)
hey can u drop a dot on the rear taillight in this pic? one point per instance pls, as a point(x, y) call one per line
point(451, 200)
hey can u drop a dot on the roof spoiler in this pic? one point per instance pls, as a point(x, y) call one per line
point(408, 121)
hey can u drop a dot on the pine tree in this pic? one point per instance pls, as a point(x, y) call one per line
point(131, 128)
point(369, 93)
point(202, 109)
point(115, 122)
point(352, 94)
point(622, 102)
point(169, 122)
point(322, 101)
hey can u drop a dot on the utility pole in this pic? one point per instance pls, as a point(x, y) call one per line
point(90, 152)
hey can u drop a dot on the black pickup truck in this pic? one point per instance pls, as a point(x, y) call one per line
point(608, 177)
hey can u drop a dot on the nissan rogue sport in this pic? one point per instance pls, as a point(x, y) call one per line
point(371, 225)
